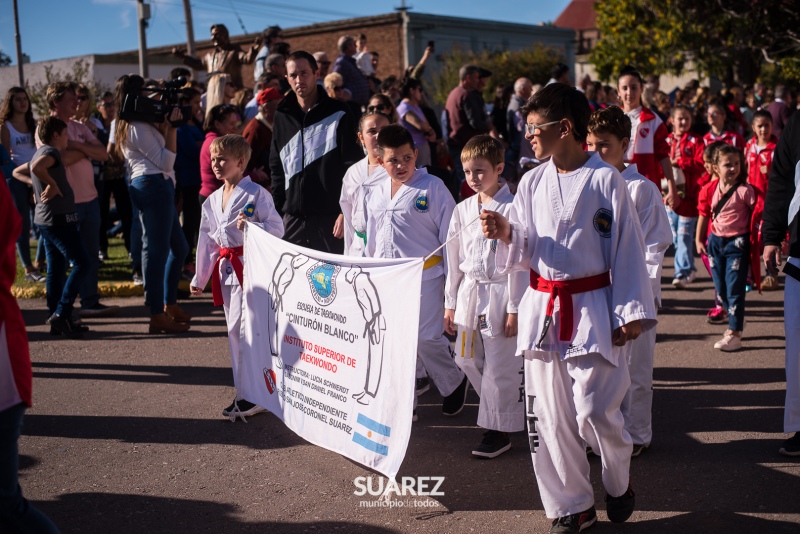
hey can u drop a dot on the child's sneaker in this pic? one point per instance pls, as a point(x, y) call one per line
point(494, 444)
point(678, 282)
point(717, 315)
point(454, 403)
point(729, 342)
point(619, 509)
point(245, 408)
point(791, 447)
point(638, 450)
point(574, 523)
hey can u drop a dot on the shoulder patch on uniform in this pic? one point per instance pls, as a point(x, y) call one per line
point(602, 222)
point(421, 204)
point(644, 132)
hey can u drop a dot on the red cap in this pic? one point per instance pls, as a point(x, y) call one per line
point(268, 94)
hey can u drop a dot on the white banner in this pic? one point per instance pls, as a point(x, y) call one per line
point(330, 346)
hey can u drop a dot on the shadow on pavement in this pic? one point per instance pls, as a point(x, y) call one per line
point(125, 513)
point(153, 374)
point(262, 432)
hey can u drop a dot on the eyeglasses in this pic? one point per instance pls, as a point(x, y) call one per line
point(82, 98)
point(338, 88)
point(530, 129)
point(324, 62)
point(108, 105)
point(379, 107)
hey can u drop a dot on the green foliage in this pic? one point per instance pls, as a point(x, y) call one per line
point(727, 39)
point(535, 63)
point(79, 74)
point(5, 59)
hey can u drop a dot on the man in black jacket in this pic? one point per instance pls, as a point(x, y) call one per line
point(313, 144)
point(781, 213)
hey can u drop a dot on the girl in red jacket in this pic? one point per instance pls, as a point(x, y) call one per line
point(686, 156)
point(717, 112)
point(648, 148)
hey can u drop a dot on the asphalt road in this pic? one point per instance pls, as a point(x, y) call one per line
point(126, 436)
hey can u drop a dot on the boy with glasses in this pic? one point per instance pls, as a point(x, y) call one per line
point(573, 224)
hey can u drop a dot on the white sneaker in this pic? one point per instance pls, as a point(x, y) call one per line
point(729, 342)
point(676, 282)
point(691, 278)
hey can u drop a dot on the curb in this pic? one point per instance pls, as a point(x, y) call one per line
point(105, 289)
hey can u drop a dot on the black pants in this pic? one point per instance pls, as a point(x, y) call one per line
point(122, 200)
point(190, 207)
point(315, 232)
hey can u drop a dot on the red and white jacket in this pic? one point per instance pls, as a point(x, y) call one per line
point(648, 144)
point(732, 138)
point(759, 163)
point(15, 362)
point(688, 150)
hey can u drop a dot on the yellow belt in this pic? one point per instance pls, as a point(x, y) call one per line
point(430, 262)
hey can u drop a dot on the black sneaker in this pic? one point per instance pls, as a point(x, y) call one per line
point(619, 509)
point(638, 449)
point(246, 408)
point(75, 326)
point(64, 327)
point(494, 444)
point(99, 310)
point(454, 403)
point(791, 447)
point(574, 523)
point(422, 385)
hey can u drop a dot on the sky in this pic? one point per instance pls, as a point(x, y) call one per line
point(106, 26)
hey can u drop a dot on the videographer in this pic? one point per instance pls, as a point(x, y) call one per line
point(150, 148)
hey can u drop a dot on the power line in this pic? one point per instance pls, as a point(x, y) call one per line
point(238, 17)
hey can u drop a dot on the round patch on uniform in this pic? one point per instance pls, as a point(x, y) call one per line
point(421, 204)
point(602, 222)
point(249, 210)
point(228, 269)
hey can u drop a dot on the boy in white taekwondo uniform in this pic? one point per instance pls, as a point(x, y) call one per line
point(609, 135)
point(574, 225)
point(360, 177)
point(219, 245)
point(482, 304)
point(408, 217)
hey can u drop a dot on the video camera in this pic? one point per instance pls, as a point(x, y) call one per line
point(142, 108)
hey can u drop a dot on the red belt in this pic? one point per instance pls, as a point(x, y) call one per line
point(564, 289)
point(232, 254)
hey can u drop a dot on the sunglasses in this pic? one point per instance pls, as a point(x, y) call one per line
point(324, 62)
point(338, 88)
point(530, 129)
point(379, 107)
point(82, 98)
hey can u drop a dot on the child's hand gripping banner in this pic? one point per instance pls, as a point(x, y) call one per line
point(330, 346)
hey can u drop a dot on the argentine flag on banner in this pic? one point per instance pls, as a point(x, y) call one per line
point(326, 346)
point(372, 435)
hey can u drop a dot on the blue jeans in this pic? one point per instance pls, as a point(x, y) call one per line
point(16, 513)
point(164, 246)
point(729, 258)
point(21, 194)
point(89, 228)
point(63, 244)
point(683, 229)
point(136, 239)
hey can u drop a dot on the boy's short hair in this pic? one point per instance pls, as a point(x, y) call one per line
point(486, 147)
point(762, 114)
point(394, 136)
point(611, 120)
point(232, 145)
point(558, 101)
point(56, 91)
point(48, 127)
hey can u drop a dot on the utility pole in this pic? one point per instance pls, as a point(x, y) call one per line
point(143, 13)
point(19, 45)
point(187, 13)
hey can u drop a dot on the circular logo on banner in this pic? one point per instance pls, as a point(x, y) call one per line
point(602, 222)
point(322, 278)
point(421, 204)
point(249, 210)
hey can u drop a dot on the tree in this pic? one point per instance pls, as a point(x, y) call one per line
point(80, 73)
point(728, 39)
point(535, 63)
point(5, 59)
